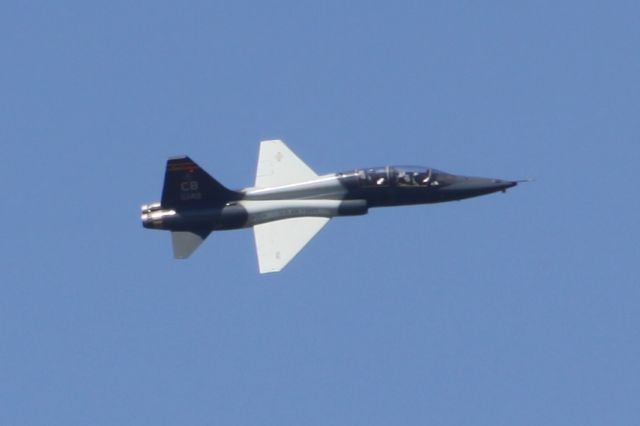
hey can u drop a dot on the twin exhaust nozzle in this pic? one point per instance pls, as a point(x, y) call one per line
point(148, 208)
point(153, 215)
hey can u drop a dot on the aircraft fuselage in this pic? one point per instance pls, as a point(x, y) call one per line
point(290, 203)
point(339, 194)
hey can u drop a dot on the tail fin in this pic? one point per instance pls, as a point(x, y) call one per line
point(187, 184)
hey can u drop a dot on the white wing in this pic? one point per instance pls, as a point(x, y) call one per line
point(278, 165)
point(277, 243)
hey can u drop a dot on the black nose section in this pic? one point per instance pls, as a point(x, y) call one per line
point(487, 185)
point(505, 184)
point(465, 187)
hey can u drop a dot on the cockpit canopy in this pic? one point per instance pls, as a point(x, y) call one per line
point(403, 176)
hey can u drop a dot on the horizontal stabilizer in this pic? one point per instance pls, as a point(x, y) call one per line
point(278, 165)
point(277, 243)
point(185, 242)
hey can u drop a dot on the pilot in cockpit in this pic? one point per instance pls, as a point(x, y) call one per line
point(423, 178)
point(405, 178)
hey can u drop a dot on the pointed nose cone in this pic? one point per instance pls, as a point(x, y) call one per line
point(465, 187)
point(485, 185)
point(501, 185)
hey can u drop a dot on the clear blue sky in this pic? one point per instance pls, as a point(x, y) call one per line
point(521, 308)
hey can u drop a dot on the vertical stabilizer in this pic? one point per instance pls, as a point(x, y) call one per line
point(187, 184)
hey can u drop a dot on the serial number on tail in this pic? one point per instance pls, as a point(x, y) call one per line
point(189, 190)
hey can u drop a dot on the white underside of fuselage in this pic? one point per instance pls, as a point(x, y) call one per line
point(265, 211)
point(320, 187)
point(318, 197)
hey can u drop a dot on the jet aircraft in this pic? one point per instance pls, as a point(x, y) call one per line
point(289, 203)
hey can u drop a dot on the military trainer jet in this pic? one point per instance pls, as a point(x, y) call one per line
point(289, 202)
